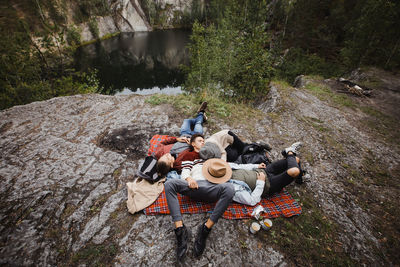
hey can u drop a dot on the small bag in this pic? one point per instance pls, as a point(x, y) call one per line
point(148, 171)
point(254, 153)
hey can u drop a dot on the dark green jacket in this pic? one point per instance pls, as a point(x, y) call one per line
point(250, 178)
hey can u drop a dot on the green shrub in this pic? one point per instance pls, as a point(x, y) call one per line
point(94, 28)
point(298, 62)
point(28, 73)
point(230, 60)
point(27, 92)
point(73, 36)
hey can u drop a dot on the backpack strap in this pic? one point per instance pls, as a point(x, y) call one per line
point(147, 170)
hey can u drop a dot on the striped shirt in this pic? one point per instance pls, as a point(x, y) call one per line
point(192, 169)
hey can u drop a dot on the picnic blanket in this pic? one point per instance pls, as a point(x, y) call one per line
point(154, 141)
point(279, 204)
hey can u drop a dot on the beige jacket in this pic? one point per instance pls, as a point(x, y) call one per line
point(142, 194)
point(222, 139)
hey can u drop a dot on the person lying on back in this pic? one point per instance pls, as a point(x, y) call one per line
point(170, 148)
point(168, 162)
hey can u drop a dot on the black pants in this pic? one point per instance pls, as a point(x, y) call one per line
point(277, 173)
point(233, 151)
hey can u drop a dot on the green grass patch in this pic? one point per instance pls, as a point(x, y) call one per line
point(218, 108)
point(95, 255)
point(381, 123)
point(333, 143)
point(317, 124)
point(281, 83)
point(383, 208)
point(309, 239)
point(309, 157)
point(325, 94)
point(378, 172)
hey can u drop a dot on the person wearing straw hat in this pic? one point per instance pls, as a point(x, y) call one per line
point(202, 181)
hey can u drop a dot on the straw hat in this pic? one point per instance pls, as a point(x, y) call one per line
point(217, 171)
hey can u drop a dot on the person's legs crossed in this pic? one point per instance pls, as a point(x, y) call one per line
point(186, 127)
point(237, 143)
point(194, 123)
point(279, 181)
point(234, 150)
point(277, 167)
point(198, 123)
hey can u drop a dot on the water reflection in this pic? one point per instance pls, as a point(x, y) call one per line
point(135, 61)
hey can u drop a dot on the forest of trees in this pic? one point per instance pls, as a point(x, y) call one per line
point(238, 46)
point(241, 45)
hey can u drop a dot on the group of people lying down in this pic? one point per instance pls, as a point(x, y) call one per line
point(206, 171)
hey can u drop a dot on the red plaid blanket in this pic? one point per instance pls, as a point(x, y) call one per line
point(279, 204)
point(154, 141)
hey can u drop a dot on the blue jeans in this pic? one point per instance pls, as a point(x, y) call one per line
point(195, 123)
point(173, 175)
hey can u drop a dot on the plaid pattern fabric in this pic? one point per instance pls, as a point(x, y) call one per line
point(154, 141)
point(279, 204)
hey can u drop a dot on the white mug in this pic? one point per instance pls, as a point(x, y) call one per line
point(254, 227)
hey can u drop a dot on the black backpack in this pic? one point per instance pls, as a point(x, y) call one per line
point(148, 171)
point(254, 153)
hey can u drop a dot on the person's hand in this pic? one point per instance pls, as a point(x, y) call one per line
point(262, 166)
point(183, 139)
point(192, 183)
point(261, 176)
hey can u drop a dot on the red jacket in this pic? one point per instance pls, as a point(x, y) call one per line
point(165, 146)
point(186, 155)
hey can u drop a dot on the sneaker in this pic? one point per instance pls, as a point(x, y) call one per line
point(182, 237)
point(293, 148)
point(200, 242)
point(203, 107)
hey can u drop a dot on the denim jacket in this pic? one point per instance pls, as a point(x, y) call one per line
point(243, 192)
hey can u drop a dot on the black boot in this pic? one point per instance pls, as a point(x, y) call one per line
point(182, 236)
point(200, 242)
point(299, 179)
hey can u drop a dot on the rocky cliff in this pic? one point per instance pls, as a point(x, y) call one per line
point(62, 186)
point(130, 16)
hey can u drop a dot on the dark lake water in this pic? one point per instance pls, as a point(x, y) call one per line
point(140, 62)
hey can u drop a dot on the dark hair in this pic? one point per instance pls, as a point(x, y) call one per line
point(162, 168)
point(193, 138)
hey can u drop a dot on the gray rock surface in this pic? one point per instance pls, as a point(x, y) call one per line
point(64, 164)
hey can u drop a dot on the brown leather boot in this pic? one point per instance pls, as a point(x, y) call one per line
point(203, 107)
